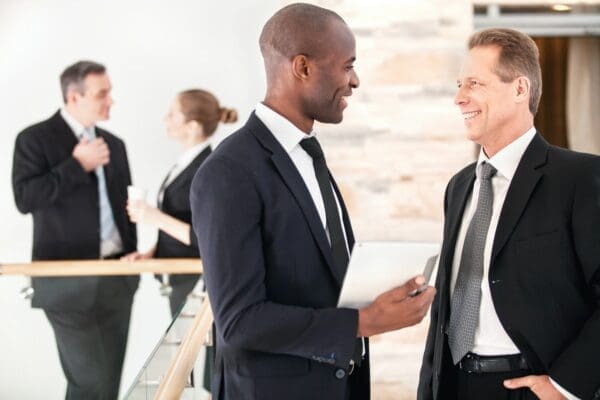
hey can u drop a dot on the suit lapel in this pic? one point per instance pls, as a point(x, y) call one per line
point(457, 199)
point(523, 183)
point(292, 179)
point(190, 169)
point(63, 132)
point(181, 179)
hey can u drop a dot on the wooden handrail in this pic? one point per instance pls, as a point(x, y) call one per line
point(103, 267)
point(174, 381)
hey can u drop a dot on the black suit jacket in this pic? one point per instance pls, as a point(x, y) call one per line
point(271, 277)
point(176, 203)
point(544, 271)
point(64, 202)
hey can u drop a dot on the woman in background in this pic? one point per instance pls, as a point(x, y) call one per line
point(192, 119)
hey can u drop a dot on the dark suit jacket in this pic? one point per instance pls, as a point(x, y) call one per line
point(63, 199)
point(544, 272)
point(176, 203)
point(271, 277)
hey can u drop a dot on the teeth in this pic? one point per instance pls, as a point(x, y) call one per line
point(470, 115)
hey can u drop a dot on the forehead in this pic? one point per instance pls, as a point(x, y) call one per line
point(341, 44)
point(480, 61)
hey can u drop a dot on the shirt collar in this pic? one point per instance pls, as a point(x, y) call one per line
point(507, 160)
point(77, 128)
point(286, 133)
point(190, 154)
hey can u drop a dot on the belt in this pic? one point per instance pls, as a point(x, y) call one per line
point(473, 363)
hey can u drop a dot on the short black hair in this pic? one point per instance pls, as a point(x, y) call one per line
point(75, 74)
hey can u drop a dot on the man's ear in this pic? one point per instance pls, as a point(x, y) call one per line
point(73, 94)
point(523, 89)
point(301, 68)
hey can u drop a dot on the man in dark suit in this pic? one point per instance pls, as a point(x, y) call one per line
point(517, 312)
point(72, 177)
point(274, 233)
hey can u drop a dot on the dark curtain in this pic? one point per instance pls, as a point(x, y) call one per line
point(551, 119)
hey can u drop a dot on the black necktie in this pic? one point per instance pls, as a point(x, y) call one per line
point(332, 216)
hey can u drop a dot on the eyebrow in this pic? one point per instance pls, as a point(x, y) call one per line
point(351, 59)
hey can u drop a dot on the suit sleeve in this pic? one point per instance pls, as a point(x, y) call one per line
point(576, 368)
point(132, 231)
point(227, 215)
point(36, 184)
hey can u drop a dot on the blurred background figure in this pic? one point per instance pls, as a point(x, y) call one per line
point(72, 177)
point(193, 117)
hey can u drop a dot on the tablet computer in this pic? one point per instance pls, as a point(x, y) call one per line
point(376, 267)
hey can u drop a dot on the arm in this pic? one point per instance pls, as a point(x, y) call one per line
point(36, 184)
point(227, 213)
point(143, 213)
point(573, 370)
point(573, 374)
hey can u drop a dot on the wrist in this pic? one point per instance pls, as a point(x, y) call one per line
point(363, 323)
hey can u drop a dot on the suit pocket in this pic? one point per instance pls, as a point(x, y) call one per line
point(261, 365)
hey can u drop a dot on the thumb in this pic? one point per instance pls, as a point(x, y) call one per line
point(402, 292)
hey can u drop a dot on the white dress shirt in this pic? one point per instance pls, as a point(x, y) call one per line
point(110, 239)
point(491, 337)
point(289, 136)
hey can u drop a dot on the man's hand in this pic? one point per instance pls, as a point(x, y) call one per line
point(137, 256)
point(395, 309)
point(91, 154)
point(540, 385)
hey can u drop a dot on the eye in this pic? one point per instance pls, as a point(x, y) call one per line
point(474, 83)
point(349, 67)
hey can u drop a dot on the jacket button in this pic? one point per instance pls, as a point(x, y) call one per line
point(340, 373)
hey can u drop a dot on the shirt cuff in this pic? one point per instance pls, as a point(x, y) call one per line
point(563, 391)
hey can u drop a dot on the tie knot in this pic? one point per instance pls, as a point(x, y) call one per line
point(312, 147)
point(487, 171)
point(87, 133)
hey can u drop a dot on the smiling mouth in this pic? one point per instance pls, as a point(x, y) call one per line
point(470, 115)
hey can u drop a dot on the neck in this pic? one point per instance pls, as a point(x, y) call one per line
point(73, 112)
point(508, 135)
point(281, 105)
point(192, 141)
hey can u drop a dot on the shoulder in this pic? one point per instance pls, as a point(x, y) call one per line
point(464, 173)
point(572, 164)
point(38, 129)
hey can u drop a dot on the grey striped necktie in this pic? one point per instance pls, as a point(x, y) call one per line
point(466, 299)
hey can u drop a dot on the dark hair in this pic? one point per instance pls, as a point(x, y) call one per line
point(519, 56)
point(75, 74)
point(203, 107)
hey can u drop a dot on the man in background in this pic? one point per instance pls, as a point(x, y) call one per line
point(72, 176)
point(517, 315)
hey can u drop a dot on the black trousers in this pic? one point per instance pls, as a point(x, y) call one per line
point(461, 385)
point(91, 346)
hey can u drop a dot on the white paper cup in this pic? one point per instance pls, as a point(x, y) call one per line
point(136, 193)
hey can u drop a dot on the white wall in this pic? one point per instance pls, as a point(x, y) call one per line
point(152, 49)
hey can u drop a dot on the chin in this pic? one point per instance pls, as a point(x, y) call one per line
point(331, 119)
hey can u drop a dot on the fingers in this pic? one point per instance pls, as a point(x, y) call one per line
point(131, 257)
point(402, 292)
point(516, 383)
